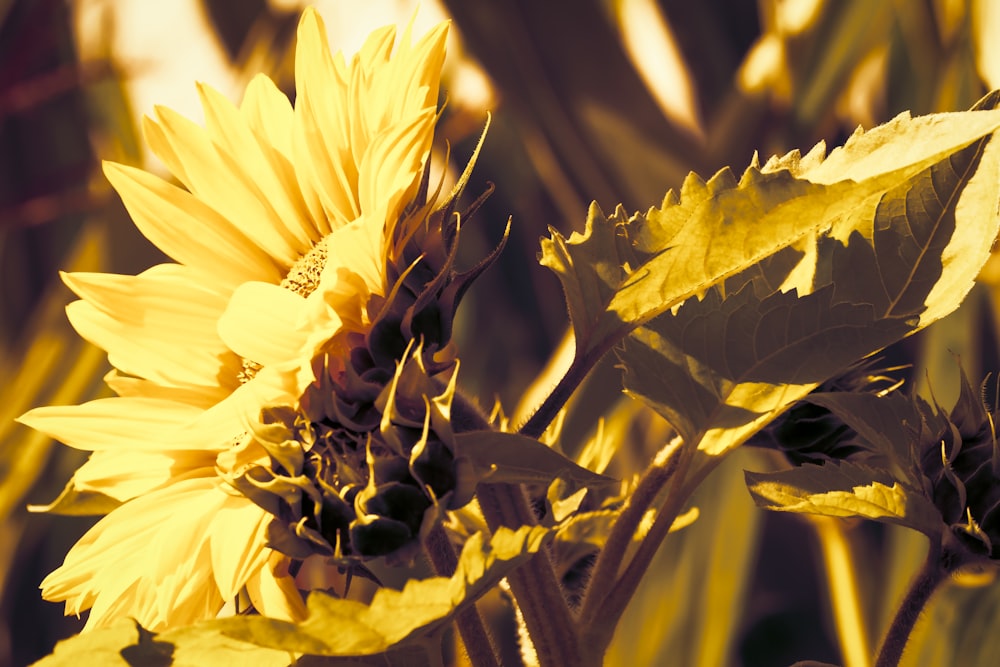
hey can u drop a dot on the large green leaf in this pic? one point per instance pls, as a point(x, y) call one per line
point(845, 489)
point(720, 368)
point(335, 627)
point(126, 644)
point(349, 628)
point(715, 229)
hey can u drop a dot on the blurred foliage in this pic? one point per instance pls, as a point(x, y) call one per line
point(574, 122)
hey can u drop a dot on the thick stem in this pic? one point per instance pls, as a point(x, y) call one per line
point(600, 631)
point(926, 581)
point(478, 643)
point(605, 572)
point(534, 584)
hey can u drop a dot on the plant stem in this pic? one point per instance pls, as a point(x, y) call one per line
point(470, 624)
point(605, 572)
point(926, 581)
point(553, 403)
point(601, 630)
point(534, 585)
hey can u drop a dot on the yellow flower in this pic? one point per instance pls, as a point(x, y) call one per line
point(279, 240)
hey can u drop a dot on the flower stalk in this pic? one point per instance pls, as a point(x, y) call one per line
point(612, 555)
point(925, 582)
point(478, 643)
point(534, 584)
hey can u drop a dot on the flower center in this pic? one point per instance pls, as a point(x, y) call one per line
point(303, 279)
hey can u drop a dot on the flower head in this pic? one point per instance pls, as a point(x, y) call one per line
point(289, 236)
point(809, 433)
point(959, 456)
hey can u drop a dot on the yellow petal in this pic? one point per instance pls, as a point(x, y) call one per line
point(188, 230)
point(230, 132)
point(321, 143)
point(124, 474)
point(237, 534)
point(390, 172)
point(116, 423)
point(148, 550)
point(200, 397)
point(269, 114)
point(273, 591)
point(260, 323)
point(353, 250)
point(217, 179)
point(158, 325)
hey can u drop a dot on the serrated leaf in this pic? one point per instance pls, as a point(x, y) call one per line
point(102, 647)
point(715, 229)
point(590, 267)
point(721, 368)
point(394, 621)
point(515, 459)
point(126, 644)
point(845, 489)
point(337, 627)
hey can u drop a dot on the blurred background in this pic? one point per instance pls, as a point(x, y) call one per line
point(606, 100)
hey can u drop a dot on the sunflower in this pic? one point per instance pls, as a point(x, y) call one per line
point(280, 235)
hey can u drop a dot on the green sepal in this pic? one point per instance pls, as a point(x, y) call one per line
point(509, 458)
point(846, 489)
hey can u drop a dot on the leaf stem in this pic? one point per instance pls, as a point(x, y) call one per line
point(554, 402)
point(926, 581)
point(605, 572)
point(534, 585)
point(478, 644)
point(601, 630)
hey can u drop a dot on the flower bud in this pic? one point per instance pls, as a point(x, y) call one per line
point(960, 458)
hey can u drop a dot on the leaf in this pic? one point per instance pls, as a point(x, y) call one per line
point(337, 627)
point(590, 267)
point(102, 647)
point(515, 459)
point(845, 489)
point(127, 644)
point(715, 229)
point(395, 621)
point(721, 368)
